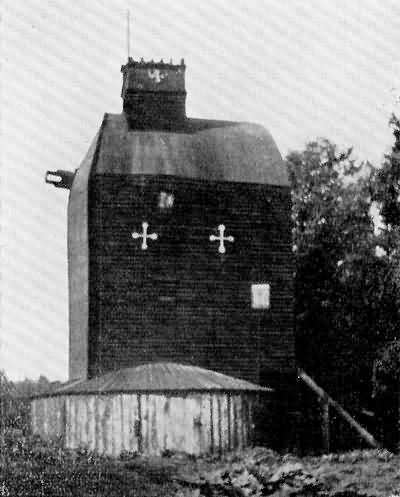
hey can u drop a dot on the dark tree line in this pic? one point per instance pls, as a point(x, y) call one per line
point(347, 249)
point(14, 400)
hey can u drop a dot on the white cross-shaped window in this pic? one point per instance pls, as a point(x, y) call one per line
point(144, 235)
point(221, 238)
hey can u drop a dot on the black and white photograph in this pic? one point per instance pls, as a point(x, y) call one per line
point(200, 248)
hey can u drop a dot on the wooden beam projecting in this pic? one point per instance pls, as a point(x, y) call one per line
point(364, 434)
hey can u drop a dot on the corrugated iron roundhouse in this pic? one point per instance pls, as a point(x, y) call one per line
point(179, 243)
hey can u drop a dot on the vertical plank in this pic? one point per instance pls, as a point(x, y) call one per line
point(46, 423)
point(250, 429)
point(153, 423)
point(57, 417)
point(131, 415)
point(90, 423)
point(165, 414)
point(83, 417)
point(78, 423)
point(73, 424)
point(178, 428)
point(168, 424)
point(200, 421)
point(173, 416)
point(125, 422)
point(60, 416)
point(97, 425)
point(181, 426)
point(217, 424)
point(72, 429)
point(187, 427)
point(68, 422)
point(145, 423)
point(190, 430)
point(100, 426)
point(241, 433)
point(235, 420)
point(116, 424)
point(111, 439)
point(138, 427)
point(212, 432)
point(223, 400)
point(160, 422)
point(107, 425)
point(49, 416)
point(45, 419)
point(229, 420)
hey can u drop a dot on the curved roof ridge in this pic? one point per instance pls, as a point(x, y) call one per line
point(159, 377)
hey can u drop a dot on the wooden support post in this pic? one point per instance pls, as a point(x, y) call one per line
point(326, 432)
point(338, 408)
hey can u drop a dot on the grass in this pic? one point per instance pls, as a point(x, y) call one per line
point(31, 468)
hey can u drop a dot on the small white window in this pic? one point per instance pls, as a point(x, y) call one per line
point(260, 296)
point(165, 200)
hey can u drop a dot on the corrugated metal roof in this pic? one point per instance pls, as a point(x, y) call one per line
point(202, 149)
point(159, 377)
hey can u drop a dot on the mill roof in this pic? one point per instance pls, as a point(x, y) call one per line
point(200, 149)
point(159, 377)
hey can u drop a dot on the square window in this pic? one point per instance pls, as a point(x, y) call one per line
point(165, 200)
point(260, 296)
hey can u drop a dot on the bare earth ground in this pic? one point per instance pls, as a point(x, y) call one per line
point(30, 468)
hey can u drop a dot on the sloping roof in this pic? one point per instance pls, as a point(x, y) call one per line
point(159, 377)
point(201, 149)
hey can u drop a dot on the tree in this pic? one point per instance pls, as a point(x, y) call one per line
point(15, 400)
point(387, 183)
point(340, 295)
point(386, 192)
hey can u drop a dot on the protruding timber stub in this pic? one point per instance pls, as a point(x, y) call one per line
point(60, 178)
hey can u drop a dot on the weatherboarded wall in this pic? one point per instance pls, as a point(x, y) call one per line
point(181, 300)
point(147, 423)
point(48, 417)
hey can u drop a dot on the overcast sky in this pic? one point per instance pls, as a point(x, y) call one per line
point(302, 68)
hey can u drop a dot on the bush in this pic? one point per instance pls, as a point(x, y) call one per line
point(15, 401)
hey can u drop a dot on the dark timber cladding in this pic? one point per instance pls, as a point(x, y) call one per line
point(180, 299)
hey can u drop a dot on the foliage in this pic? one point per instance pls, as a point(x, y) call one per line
point(30, 467)
point(14, 400)
point(386, 192)
point(260, 472)
point(387, 181)
point(343, 300)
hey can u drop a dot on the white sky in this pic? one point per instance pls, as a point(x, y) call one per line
point(303, 68)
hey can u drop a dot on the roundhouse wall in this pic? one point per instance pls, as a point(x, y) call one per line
point(48, 417)
point(147, 423)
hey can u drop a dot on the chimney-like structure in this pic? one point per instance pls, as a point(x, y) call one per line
point(154, 94)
